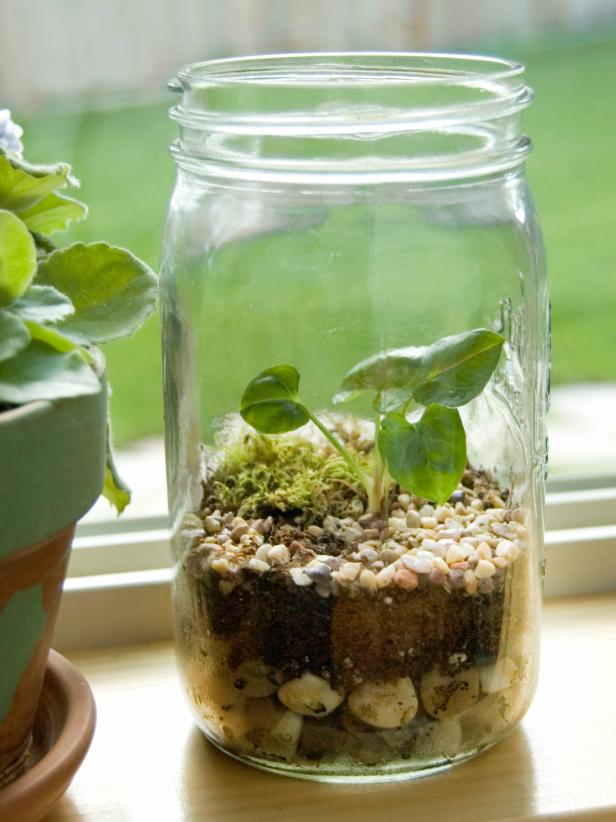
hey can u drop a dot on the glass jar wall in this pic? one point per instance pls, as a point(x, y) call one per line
point(355, 332)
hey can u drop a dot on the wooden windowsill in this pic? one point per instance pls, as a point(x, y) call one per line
point(148, 762)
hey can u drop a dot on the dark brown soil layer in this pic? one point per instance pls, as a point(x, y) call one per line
point(351, 638)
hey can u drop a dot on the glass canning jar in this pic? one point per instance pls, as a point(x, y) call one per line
point(358, 556)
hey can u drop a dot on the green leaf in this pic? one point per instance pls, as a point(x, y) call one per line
point(14, 336)
point(457, 368)
point(23, 185)
point(270, 402)
point(392, 374)
point(53, 213)
point(115, 489)
point(49, 335)
point(17, 257)
point(39, 372)
point(42, 303)
point(113, 292)
point(428, 458)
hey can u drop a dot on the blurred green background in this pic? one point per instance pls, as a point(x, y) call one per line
point(120, 153)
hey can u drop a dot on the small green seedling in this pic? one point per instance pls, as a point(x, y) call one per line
point(427, 457)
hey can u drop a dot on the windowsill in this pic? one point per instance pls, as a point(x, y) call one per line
point(149, 762)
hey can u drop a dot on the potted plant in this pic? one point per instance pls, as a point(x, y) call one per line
point(56, 306)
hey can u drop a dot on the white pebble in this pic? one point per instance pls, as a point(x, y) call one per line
point(279, 554)
point(448, 695)
point(429, 522)
point(282, 738)
point(384, 704)
point(384, 577)
point(396, 523)
point(507, 549)
point(315, 530)
point(405, 579)
point(262, 552)
point(485, 569)
point(442, 513)
point(470, 582)
point(212, 525)
point(349, 571)
point(456, 553)
point(255, 679)
point(300, 577)
point(477, 505)
point(404, 500)
point(420, 565)
point(367, 580)
point(413, 520)
point(441, 566)
point(499, 676)
point(238, 532)
point(484, 551)
point(310, 695)
point(426, 510)
point(258, 565)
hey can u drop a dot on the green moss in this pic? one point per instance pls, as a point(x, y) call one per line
point(283, 475)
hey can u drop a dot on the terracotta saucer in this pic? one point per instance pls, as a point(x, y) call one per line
point(63, 730)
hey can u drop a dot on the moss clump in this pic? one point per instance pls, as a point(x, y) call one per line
point(291, 476)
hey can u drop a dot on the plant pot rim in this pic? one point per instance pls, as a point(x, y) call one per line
point(53, 463)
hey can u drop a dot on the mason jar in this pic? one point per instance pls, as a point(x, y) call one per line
point(355, 333)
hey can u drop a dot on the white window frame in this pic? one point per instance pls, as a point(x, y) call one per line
point(118, 589)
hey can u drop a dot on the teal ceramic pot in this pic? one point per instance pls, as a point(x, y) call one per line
point(52, 464)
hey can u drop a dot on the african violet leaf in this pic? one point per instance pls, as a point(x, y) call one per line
point(270, 402)
point(427, 458)
point(457, 368)
point(39, 372)
point(53, 213)
point(115, 489)
point(48, 334)
point(17, 257)
point(42, 303)
point(112, 291)
point(14, 336)
point(23, 185)
point(391, 374)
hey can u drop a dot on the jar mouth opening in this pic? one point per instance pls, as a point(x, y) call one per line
point(347, 89)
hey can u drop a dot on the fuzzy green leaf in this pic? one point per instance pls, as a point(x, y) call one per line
point(48, 334)
point(23, 185)
point(14, 336)
point(428, 458)
point(391, 374)
point(39, 372)
point(270, 402)
point(17, 257)
point(457, 368)
point(115, 489)
point(53, 213)
point(42, 303)
point(113, 292)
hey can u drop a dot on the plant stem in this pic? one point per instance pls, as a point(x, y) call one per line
point(365, 479)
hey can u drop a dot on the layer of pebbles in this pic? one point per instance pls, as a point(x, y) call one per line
point(466, 544)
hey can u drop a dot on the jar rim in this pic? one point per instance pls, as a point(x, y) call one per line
point(462, 88)
point(348, 113)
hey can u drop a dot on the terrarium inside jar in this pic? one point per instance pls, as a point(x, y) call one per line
point(355, 341)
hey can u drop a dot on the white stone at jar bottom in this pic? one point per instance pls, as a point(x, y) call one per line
point(253, 678)
point(448, 695)
point(440, 738)
point(282, 739)
point(384, 704)
point(499, 676)
point(310, 695)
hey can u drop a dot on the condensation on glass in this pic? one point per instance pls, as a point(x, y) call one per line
point(327, 208)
